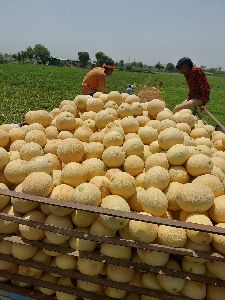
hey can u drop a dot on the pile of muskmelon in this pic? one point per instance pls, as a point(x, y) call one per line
point(114, 152)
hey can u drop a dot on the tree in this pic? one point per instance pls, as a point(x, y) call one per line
point(128, 67)
point(41, 53)
point(30, 53)
point(23, 56)
point(101, 58)
point(159, 66)
point(170, 67)
point(134, 64)
point(83, 58)
point(19, 56)
point(15, 56)
point(121, 64)
point(140, 65)
point(1, 58)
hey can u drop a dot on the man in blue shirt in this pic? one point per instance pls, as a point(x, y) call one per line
point(130, 89)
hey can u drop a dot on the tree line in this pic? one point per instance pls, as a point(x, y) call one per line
point(41, 55)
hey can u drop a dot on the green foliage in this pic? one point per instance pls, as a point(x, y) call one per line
point(159, 66)
point(84, 58)
point(30, 53)
point(128, 67)
point(121, 64)
point(19, 56)
point(133, 66)
point(170, 67)
point(41, 53)
point(26, 86)
point(14, 56)
point(23, 56)
point(2, 60)
point(101, 58)
point(140, 65)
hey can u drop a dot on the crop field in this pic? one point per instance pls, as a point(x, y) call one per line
point(29, 87)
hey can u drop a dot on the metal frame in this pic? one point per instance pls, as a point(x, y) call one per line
point(218, 123)
point(75, 274)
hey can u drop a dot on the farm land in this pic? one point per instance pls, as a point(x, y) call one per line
point(26, 87)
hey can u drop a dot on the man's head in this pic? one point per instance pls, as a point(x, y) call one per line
point(184, 65)
point(109, 67)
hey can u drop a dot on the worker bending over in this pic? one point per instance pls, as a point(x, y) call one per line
point(94, 81)
point(199, 88)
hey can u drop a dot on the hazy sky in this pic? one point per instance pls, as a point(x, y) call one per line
point(141, 30)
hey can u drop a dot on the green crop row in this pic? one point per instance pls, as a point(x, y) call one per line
point(26, 87)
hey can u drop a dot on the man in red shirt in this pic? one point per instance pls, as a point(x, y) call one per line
point(199, 88)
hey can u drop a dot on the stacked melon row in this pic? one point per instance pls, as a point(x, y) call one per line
point(112, 151)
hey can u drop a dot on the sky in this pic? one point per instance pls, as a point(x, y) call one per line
point(140, 30)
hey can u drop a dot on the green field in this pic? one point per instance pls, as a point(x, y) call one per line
point(25, 87)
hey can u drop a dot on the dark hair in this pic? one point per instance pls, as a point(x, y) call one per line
point(184, 61)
